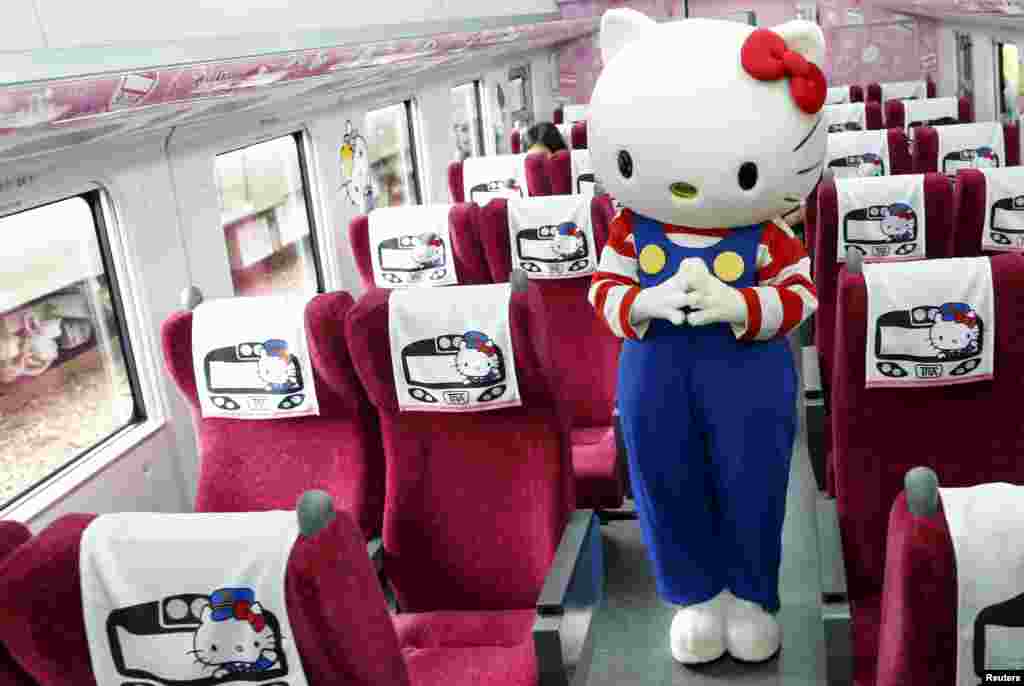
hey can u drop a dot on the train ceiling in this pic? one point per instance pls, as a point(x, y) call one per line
point(50, 115)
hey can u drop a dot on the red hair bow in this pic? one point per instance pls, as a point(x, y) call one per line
point(765, 57)
point(243, 611)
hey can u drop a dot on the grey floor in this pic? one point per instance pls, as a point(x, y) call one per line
point(631, 631)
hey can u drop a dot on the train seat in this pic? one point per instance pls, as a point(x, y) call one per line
point(989, 201)
point(578, 136)
point(481, 542)
point(900, 90)
point(583, 350)
point(570, 172)
point(558, 116)
point(478, 179)
point(329, 579)
point(515, 142)
point(905, 114)
point(851, 116)
point(253, 465)
point(12, 535)
point(456, 232)
point(870, 468)
point(880, 152)
point(938, 205)
point(948, 149)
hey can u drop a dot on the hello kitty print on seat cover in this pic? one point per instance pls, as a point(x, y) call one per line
point(251, 358)
point(451, 349)
point(857, 154)
point(189, 598)
point(882, 218)
point(552, 237)
point(930, 323)
point(411, 246)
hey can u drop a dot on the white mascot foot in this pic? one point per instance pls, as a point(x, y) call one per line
point(698, 631)
point(752, 635)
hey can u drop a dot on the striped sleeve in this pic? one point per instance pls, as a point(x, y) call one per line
point(614, 286)
point(785, 295)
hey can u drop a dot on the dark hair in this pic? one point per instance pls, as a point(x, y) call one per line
point(547, 135)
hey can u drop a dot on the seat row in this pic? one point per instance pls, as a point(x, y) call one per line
point(901, 571)
point(479, 179)
point(495, 573)
point(487, 243)
point(904, 114)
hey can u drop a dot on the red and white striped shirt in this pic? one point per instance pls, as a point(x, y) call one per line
point(782, 300)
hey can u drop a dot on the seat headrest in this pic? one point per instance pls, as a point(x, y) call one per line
point(339, 397)
point(367, 331)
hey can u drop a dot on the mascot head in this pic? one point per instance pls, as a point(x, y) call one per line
point(707, 123)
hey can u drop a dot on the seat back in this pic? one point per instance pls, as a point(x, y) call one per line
point(12, 535)
point(558, 116)
point(928, 430)
point(938, 198)
point(579, 135)
point(972, 209)
point(898, 90)
point(856, 93)
point(515, 141)
point(466, 251)
point(335, 605)
point(928, 142)
point(575, 113)
point(570, 172)
point(588, 380)
point(844, 149)
point(533, 172)
point(476, 501)
point(850, 116)
point(254, 465)
point(896, 112)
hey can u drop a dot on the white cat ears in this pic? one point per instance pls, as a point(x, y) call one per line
point(621, 26)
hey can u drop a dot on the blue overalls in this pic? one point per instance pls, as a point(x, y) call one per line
point(709, 423)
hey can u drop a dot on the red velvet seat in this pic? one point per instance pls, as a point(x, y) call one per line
point(515, 142)
point(12, 535)
point(873, 116)
point(328, 581)
point(536, 177)
point(874, 90)
point(559, 172)
point(970, 209)
point(477, 505)
point(926, 146)
point(896, 113)
point(584, 352)
point(915, 638)
point(468, 255)
point(939, 243)
point(251, 465)
point(900, 161)
point(579, 135)
point(856, 93)
point(557, 116)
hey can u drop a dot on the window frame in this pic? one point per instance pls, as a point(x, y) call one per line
point(302, 139)
point(140, 344)
point(478, 110)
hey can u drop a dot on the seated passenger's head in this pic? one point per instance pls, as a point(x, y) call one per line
point(544, 137)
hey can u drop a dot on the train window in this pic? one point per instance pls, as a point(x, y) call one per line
point(67, 379)
point(392, 144)
point(266, 218)
point(468, 121)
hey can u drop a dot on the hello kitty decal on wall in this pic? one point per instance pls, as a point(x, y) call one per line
point(355, 169)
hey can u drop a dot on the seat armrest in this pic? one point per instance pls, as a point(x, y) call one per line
point(917, 638)
point(572, 592)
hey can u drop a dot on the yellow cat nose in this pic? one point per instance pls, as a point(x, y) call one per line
point(683, 191)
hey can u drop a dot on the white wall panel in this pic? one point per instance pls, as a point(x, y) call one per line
point(19, 28)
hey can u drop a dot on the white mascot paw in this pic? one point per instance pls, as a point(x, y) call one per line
point(752, 635)
point(714, 300)
point(697, 635)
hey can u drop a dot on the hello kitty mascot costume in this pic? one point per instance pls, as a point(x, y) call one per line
point(705, 131)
